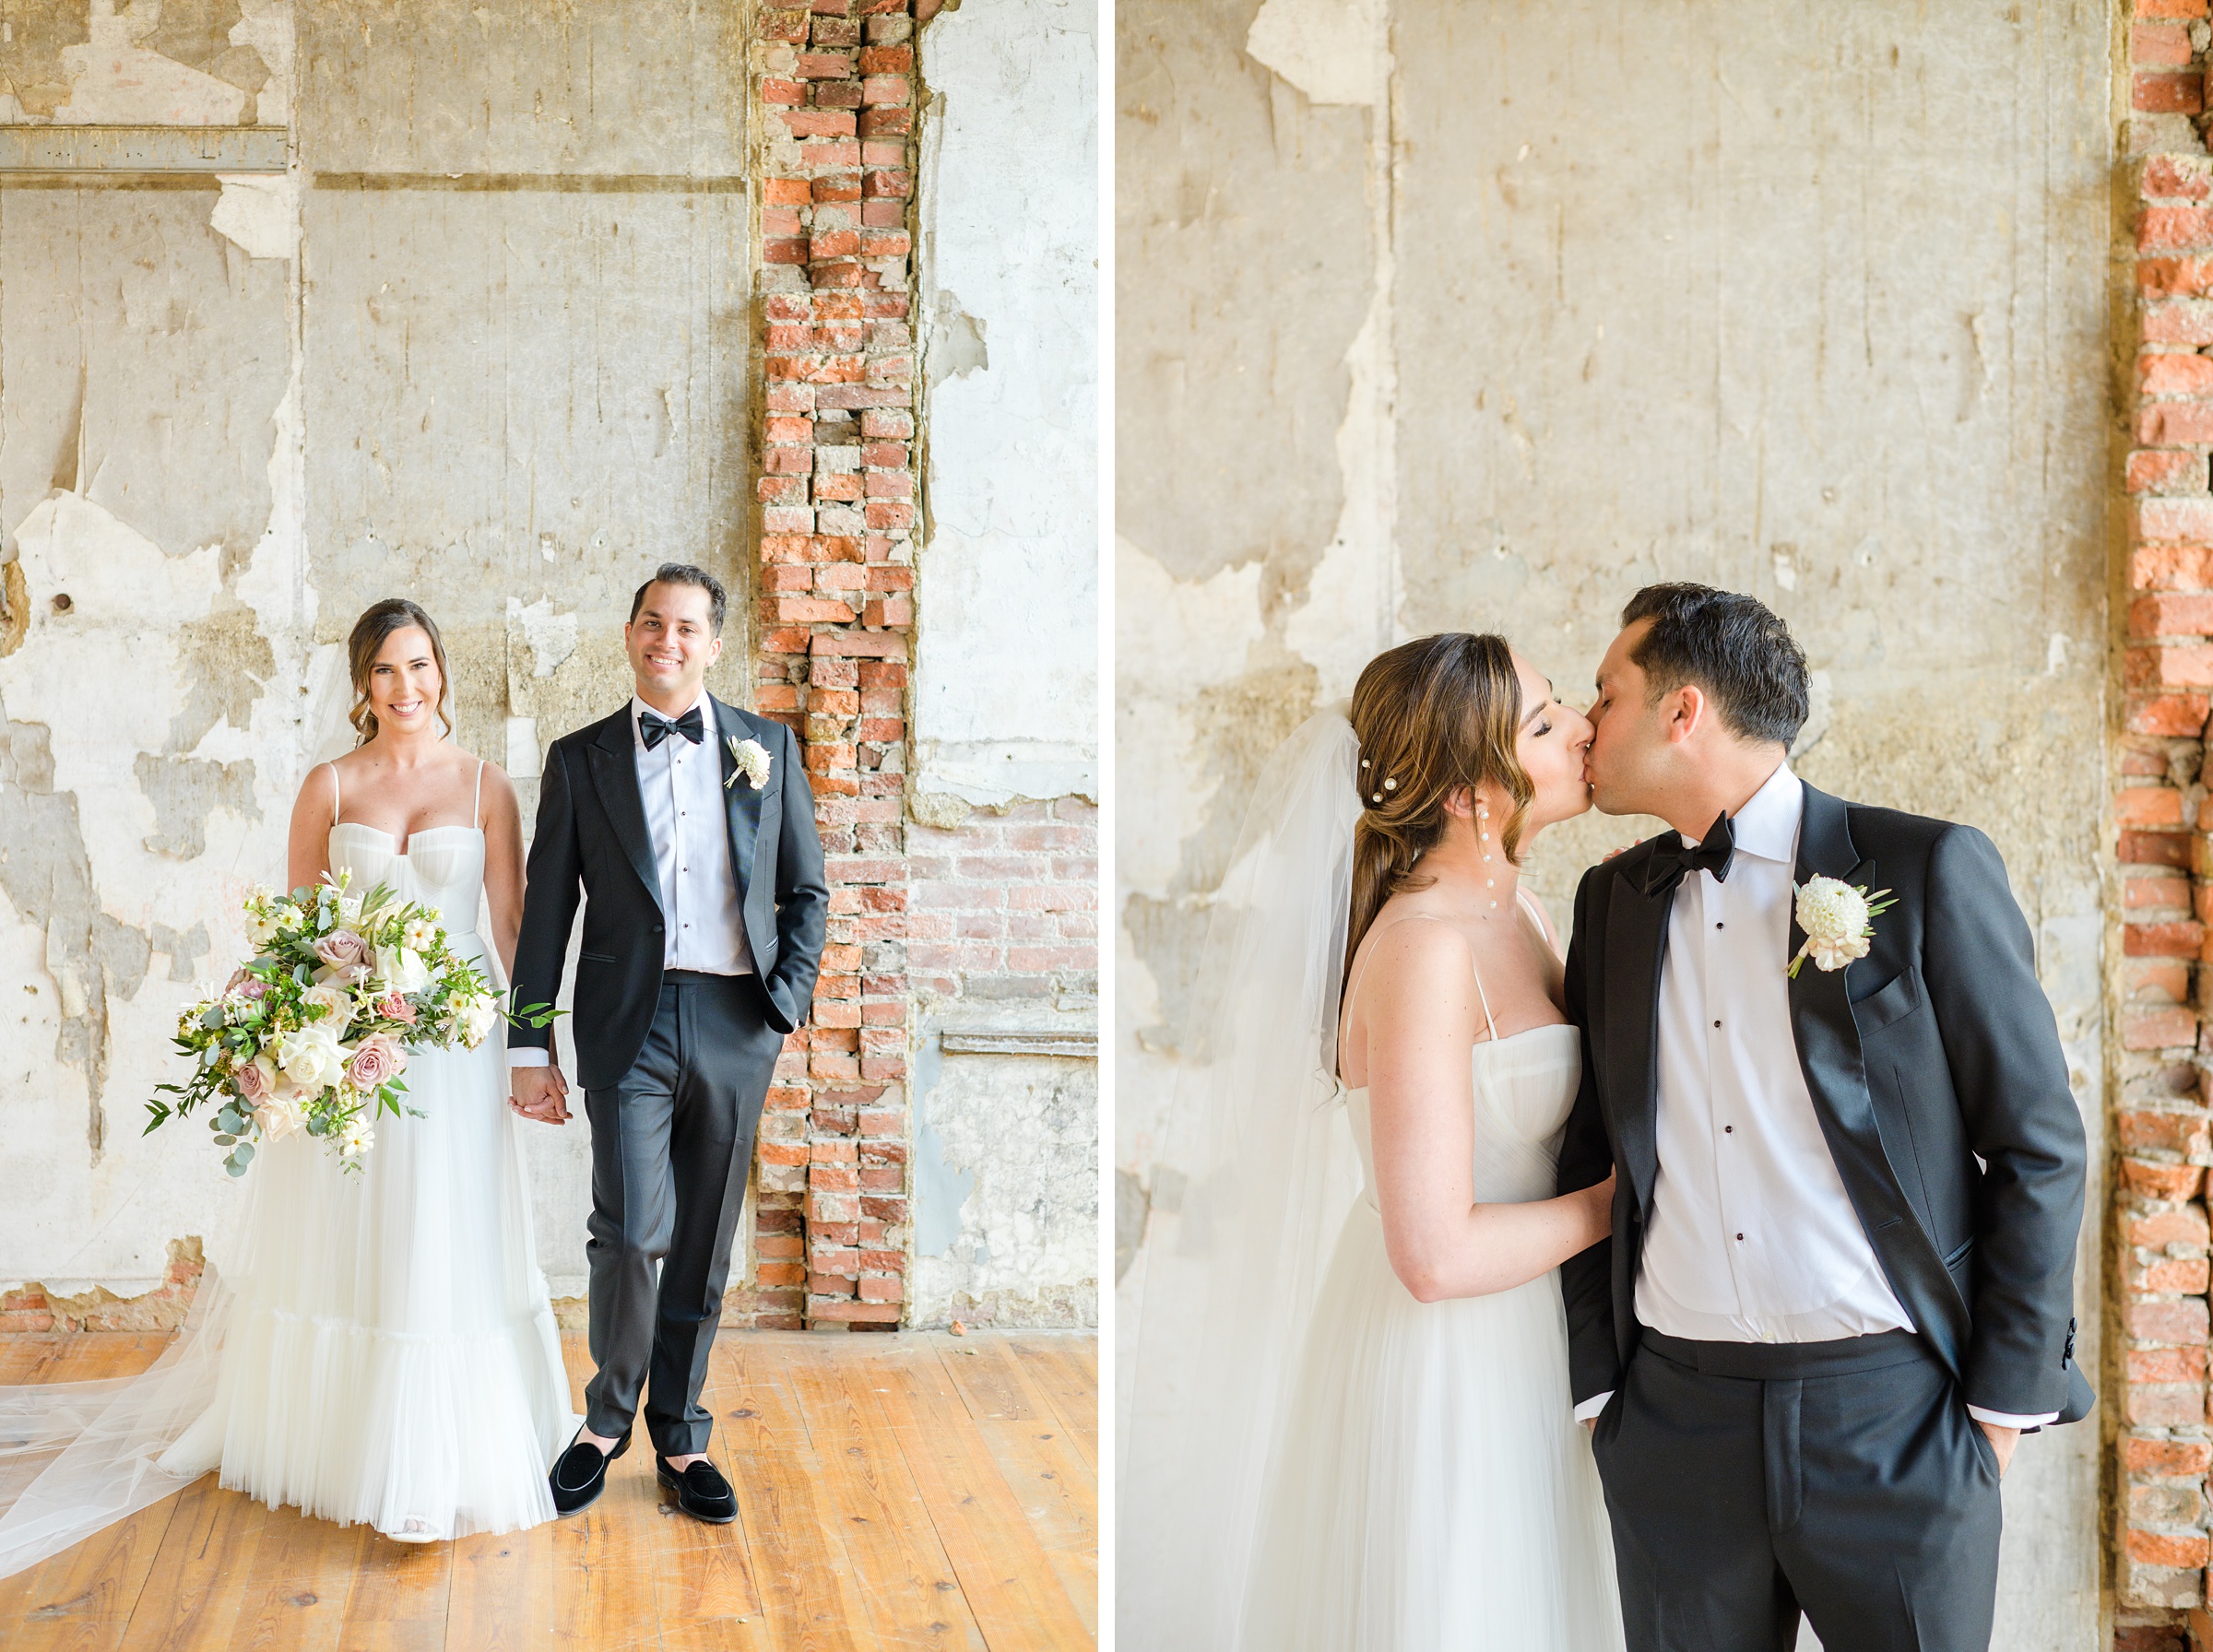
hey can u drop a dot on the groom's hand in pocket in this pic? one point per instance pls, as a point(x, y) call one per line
point(540, 1093)
point(2001, 1440)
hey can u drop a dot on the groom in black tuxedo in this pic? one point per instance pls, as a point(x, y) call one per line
point(688, 828)
point(1840, 1278)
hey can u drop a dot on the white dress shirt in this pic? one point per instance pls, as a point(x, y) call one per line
point(702, 914)
point(1752, 1236)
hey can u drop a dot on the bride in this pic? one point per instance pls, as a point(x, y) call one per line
point(1351, 1428)
point(381, 1348)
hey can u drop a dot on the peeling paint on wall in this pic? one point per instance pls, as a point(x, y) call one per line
point(1507, 374)
point(1005, 694)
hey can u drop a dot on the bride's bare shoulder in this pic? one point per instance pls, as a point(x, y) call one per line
point(1416, 954)
point(320, 791)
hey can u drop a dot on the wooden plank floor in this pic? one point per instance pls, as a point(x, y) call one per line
point(910, 1490)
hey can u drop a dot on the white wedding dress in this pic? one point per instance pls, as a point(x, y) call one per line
point(1432, 1491)
point(378, 1348)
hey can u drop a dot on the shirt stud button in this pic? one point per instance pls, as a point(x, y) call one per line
point(1740, 1238)
point(1728, 1129)
point(1717, 1023)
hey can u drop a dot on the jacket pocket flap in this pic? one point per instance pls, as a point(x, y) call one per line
point(1896, 998)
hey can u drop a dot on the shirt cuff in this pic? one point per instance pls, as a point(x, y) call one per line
point(1595, 1404)
point(2009, 1420)
point(531, 1056)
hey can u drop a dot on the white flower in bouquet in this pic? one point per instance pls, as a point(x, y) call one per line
point(350, 908)
point(476, 1016)
point(261, 929)
point(419, 935)
point(311, 1058)
point(336, 1003)
point(355, 1137)
point(402, 969)
point(279, 1116)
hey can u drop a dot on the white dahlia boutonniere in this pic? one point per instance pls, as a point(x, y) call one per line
point(753, 759)
point(1835, 916)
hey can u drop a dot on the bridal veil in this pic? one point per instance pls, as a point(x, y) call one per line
point(1254, 1175)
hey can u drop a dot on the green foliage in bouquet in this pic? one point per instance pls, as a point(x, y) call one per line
point(312, 1033)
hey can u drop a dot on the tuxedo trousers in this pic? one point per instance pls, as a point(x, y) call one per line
point(671, 1143)
point(1749, 1481)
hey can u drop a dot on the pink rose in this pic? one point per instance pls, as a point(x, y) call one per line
point(394, 1007)
point(342, 949)
point(254, 1080)
point(375, 1060)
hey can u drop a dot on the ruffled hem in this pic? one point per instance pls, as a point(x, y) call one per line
point(357, 1425)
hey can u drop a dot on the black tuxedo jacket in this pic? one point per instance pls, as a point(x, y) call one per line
point(1936, 1049)
point(592, 840)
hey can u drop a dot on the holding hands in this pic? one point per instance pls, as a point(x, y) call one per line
point(539, 1093)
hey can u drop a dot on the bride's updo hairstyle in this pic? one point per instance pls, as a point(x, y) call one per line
point(1433, 716)
point(377, 623)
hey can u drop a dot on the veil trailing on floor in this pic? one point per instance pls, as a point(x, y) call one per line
point(1254, 1175)
point(75, 1458)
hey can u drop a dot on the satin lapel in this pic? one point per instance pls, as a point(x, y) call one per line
point(615, 775)
point(1836, 1076)
point(742, 799)
point(1636, 945)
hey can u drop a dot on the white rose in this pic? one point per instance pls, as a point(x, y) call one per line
point(336, 1001)
point(312, 1057)
point(477, 1017)
point(279, 1116)
point(350, 908)
point(402, 969)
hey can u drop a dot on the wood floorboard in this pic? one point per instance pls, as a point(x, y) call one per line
point(1004, 1572)
point(895, 1493)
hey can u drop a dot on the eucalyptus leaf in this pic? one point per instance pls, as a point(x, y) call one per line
point(244, 1152)
point(225, 1140)
point(234, 1167)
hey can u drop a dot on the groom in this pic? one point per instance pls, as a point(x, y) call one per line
point(1841, 1274)
point(690, 828)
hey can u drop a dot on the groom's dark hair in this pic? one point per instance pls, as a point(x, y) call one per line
point(683, 574)
point(1730, 645)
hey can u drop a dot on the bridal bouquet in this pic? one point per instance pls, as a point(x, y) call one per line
point(312, 1033)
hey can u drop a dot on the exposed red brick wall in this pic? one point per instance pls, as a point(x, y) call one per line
point(2162, 1130)
point(836, 161)
point(1011, 896)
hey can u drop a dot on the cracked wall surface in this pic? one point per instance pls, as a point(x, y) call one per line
point(484, 342)
point(1498, 314)
point(1003, 936)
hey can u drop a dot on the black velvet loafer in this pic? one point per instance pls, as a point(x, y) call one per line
point(701, 1491)
point(580, 1473)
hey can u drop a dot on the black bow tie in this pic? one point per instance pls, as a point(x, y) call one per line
point(653, 730)
point(1671, 860)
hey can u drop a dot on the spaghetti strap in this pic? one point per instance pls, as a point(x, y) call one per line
point(476, 808)
point(335, 809)
point(1351, 987)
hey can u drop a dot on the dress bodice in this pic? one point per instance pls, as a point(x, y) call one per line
point(1524, 1087)
point(442, 869)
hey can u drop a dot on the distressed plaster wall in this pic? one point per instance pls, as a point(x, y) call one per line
point(1003, 939)
point(485, 343)
point(1444, 316)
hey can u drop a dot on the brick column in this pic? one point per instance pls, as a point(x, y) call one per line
point(837, 163)
point(2161, 816)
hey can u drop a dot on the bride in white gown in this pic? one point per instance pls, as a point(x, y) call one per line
point(378, 1346)
point(1350, 1428)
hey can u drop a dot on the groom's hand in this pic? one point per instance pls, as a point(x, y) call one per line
point(2002, 1441)
point(540, 1093)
